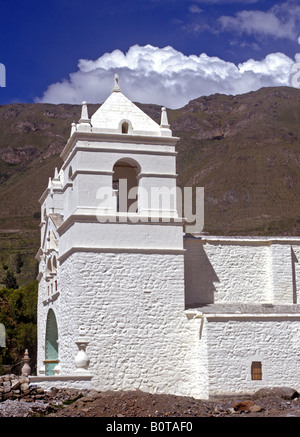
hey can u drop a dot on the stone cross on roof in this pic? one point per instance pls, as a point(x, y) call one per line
point(116, 84)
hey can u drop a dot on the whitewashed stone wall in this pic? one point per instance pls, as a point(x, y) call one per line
point(132, 306)
point(233, 344)
point(282, 273)
point(246, 270)
point(221, 271)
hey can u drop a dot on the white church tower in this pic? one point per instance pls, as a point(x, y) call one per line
point(111, 282)
point(125, 302)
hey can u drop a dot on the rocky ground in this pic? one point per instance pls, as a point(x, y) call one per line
point(277, 402)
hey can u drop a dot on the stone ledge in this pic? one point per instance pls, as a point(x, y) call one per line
point(258, 240)
point(244, 310)
point(34, 379)
point(47, 382)
point(134, 250)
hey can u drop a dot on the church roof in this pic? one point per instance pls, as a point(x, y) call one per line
point(118, 109)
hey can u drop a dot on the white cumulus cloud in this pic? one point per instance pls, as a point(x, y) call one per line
point(166, 76)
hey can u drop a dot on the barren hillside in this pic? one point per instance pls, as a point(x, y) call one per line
point(244, 151)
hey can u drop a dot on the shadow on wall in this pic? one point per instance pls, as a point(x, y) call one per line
point(294, 262)
point(200, 275)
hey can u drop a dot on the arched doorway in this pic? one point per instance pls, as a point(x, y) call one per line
point(51, 344)
point(125, 179)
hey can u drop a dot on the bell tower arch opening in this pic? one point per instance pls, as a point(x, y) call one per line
point(125, 184)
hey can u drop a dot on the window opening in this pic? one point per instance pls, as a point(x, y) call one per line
point(125, 127)
point(256, 370)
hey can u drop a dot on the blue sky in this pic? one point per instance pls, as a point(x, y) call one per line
point(165, 51)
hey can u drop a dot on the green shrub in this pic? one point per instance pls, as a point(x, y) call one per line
point(18, 313)
point(10, 281)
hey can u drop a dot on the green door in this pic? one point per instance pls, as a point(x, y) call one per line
point(51, 346)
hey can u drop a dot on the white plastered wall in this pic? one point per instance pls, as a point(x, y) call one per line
point(233, 343)
point(245, 270)
point(132, 307)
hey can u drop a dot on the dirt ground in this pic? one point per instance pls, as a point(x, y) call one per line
point(276, 403)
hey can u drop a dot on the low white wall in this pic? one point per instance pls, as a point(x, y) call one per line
point(234, 343)
point(246, 270)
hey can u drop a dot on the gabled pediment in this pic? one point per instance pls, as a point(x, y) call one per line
point(118, 110)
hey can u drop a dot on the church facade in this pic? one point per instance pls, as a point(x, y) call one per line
point(128, 300)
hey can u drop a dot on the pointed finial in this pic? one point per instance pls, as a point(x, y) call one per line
point(49, 183)
point(26, 368)
point(73, 128)
point(164, 118)
point(116, 87)
point(84, 114)
point(56, 173)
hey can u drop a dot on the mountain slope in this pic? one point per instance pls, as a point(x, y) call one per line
point(244, 151)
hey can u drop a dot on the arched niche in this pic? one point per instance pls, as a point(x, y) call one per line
point(125, 126)
point(54, 265)
point(51, 343)
point(49, 266)
point(70, 174)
